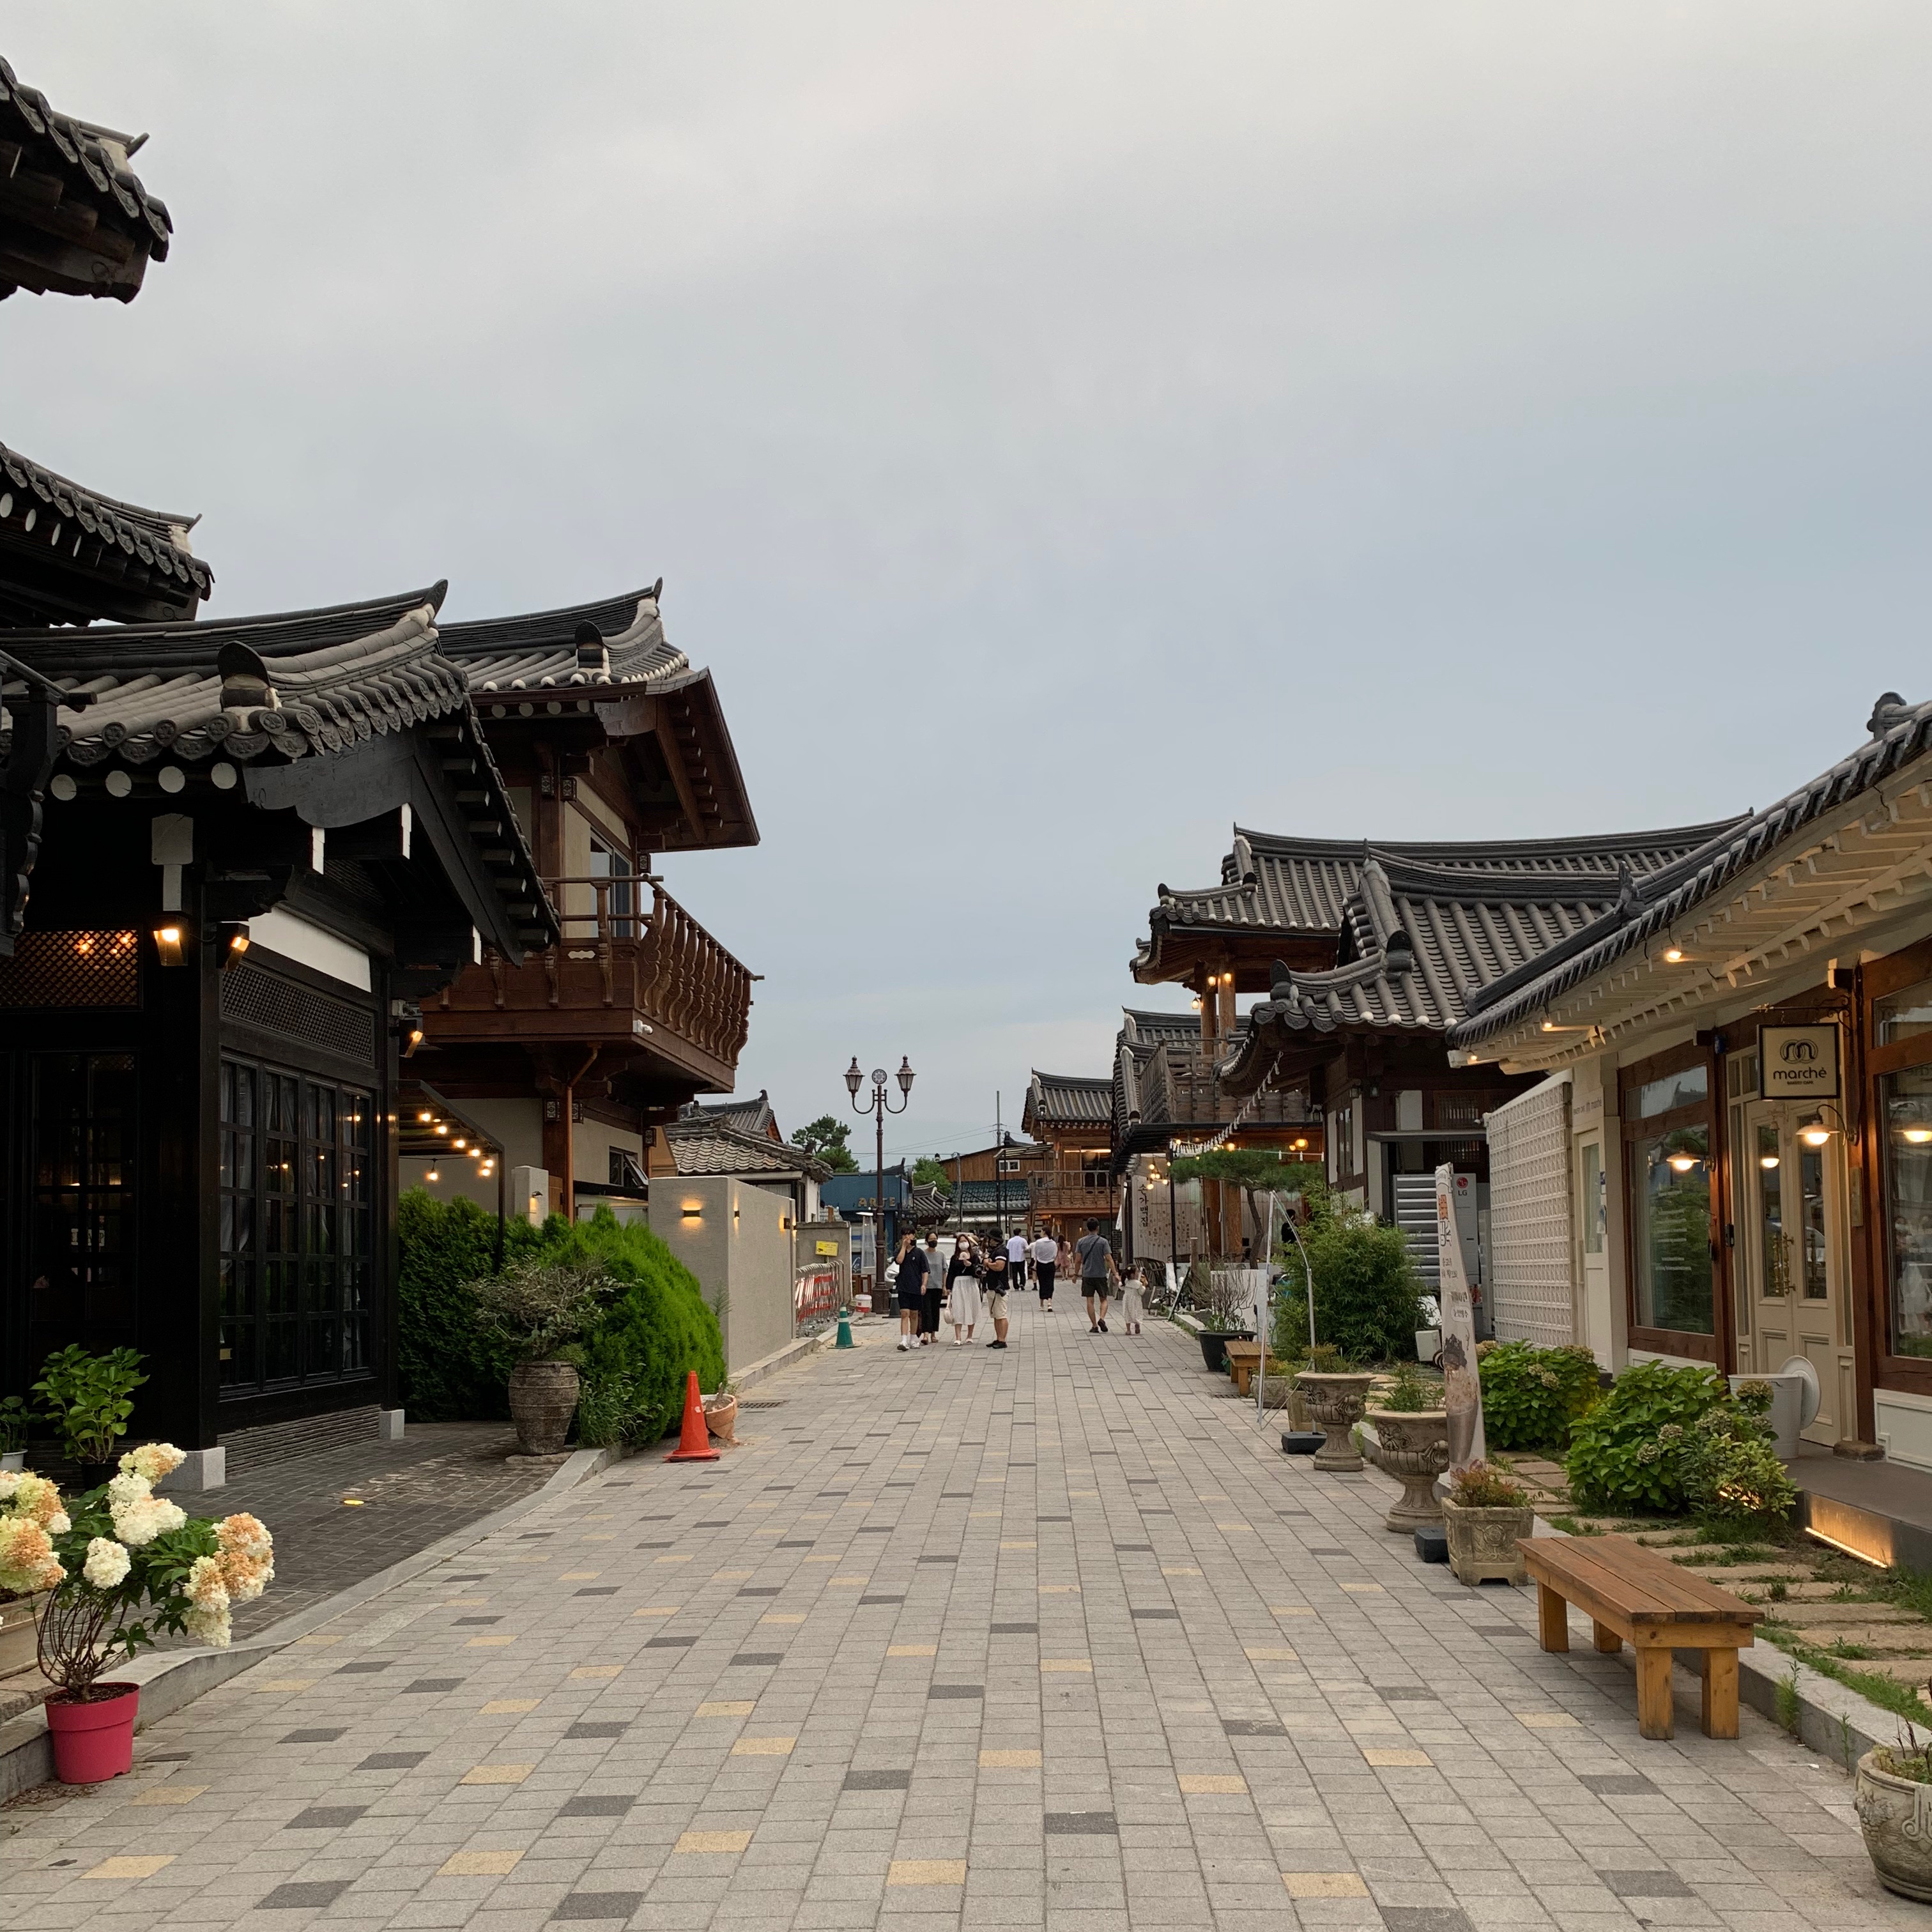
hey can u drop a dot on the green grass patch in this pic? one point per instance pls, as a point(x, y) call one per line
point(1901, 1700)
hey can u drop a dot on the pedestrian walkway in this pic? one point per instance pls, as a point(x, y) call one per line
point(1052, 1637)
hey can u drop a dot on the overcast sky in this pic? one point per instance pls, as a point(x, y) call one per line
point(1065, 430)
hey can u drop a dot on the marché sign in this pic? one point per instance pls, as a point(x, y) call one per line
point(1798, 1063)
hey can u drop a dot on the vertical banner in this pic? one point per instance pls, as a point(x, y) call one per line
point(1463, 1393)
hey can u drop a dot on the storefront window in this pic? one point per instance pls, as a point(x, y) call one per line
point(1771, 1214)
point(1903, 1015)
point(1905, 1100)
point(1687, 1087)
point(1593, 1198)
point(1670, 1175)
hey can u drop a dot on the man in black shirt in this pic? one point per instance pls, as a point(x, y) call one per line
point(911, 1287)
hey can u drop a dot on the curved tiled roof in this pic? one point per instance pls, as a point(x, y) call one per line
point(713, 1147)
point(1070, 1099)
point(151, 539)
point(91, 164)
point(550, 650)
point(1303, 887)
point(1901, 733)
point(170, 699)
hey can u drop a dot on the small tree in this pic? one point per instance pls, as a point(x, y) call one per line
point(825, 1139)
point(928, 1171)
point(539, 1306)
point(1368, 1295)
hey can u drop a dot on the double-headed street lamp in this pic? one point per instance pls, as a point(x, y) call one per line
point(880, 1107)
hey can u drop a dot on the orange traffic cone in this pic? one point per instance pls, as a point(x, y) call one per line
point(693, 1444)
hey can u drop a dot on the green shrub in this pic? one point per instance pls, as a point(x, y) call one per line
point(1730, 1472)
point(1626, 1453)
point(1368, 1296)
point(455, 1366)
point(657, 1329)
point(1531, 1395)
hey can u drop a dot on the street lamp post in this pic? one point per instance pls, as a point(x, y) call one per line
point(880, 1107)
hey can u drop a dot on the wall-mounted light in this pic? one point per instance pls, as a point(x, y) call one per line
point(1682, 1163)
point(1767, 1160)
point(692, 1211)
point(1674, 955)
point(1916, 1136)
point(234, 942)
point(1813, 1131)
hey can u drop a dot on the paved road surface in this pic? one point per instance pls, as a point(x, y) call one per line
point(1047, 1638)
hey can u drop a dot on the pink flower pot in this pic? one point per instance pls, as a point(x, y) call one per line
point(94, 1742)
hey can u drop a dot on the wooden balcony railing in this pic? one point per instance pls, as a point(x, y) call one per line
point(623, 969)
point(1069, 1194)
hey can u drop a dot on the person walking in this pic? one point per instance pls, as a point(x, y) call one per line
point(1130, 1300)
point(998, 1279)
point(1016, 1261)
point(911, 1288)
point(1045, 1258)
point(994, 1275)
point(934, 1296)
point(1063, 1260)
point(962, 1288)
point(1095, 1254)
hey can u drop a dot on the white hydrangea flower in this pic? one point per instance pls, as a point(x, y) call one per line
point(107, 1563)
point(130, 1486)
point(10, 1481)
point(140, 1522)
point(153, 1460)
point(59, 1523)
point(206, 1586)
point(208, 1627)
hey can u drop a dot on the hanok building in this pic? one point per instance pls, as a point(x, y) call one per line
point(1366, 955)
point(265, 843)
point(1729, 1159)
point(1071, 1116)
point(1167, 1098)
point(615, 751)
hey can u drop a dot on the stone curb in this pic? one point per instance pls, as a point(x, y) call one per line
point(170, 1679)
point(765, 1366)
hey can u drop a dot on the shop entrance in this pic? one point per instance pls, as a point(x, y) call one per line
point(1790, 1198)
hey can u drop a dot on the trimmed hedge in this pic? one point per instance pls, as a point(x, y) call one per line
point(453, 1368)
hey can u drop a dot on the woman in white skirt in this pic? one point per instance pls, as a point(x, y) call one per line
point(1130, 1300)
point(962, 1288)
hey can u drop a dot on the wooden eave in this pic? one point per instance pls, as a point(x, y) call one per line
point(1866, 861)
point(1177, 952)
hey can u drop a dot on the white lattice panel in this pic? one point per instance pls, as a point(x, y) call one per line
point(1531, 1288)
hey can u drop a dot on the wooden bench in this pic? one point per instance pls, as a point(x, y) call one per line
point(1244, 1357)
point(1635, 1596)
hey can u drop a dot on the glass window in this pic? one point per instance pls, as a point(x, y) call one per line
point(1903, 1015)
point(1776, 1283)
point(1595, 1198)
point(1685, 1088)
point(1905, 1103)
point(1670, 1186)
point(297, 1244)
point(618, 901)
point(1811, 1230)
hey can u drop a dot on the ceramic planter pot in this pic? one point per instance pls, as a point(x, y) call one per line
point(1482, 1542)
point(94, 1742)
point(1214, 1346)
point(1415, 1451)
point(12, 1459)
point(1335, 1404)
point(720, 1417)
point(543, 1398)
point(18, 1632)
point(1895, 1815)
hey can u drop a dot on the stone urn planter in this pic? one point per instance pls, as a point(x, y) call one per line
point(1895, 1815)
point(1482, 1542)
point(543, 1398)
point(721, 1417)
point(1214, 1346)
point(18, 1633)
point(1335, 1403)
point(1414, 1450)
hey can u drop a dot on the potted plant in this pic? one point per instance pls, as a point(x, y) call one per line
point(1485, 1516)
point(1412, 1427)
point(88, 1399)
point(1893, 1796)
point(13, 1418)
point(721, 1414)
point(1223, 1304)
point(1335, 1393)
point(540, 1306)
point(119, 1564)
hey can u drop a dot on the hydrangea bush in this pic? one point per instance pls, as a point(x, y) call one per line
point(1530, 1396)
point(124, 1565)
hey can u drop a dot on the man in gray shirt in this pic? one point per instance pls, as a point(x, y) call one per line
point(1096, 1254)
